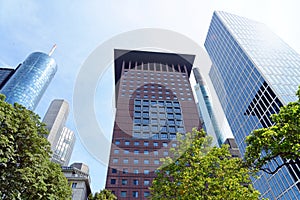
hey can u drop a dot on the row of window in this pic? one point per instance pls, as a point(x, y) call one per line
point(134, 182)
point(125, 171)
point(148, 68)
point(137, 143)
point(136, 161)
point(135, 194)
point(137, 152)
point(135, 171)
point(133, 72)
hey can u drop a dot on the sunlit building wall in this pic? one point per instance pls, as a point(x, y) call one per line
point(254, 73)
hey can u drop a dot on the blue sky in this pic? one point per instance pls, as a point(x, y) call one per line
point(78, 27)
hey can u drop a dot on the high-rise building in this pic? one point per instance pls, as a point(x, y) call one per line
point(61, 139)
point(30, 80)
point(64, 148)
point(254, 73)
point(154, 101)
point(205, 109)
point(5, 74)
point(79, 179)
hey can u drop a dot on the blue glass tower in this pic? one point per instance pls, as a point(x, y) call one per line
point(254, 73)
point(205, 108)
point(30, 80)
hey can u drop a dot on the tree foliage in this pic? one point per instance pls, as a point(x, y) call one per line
point(280, 140)
point(26, 171)
point(198, 171)
point(103, 195)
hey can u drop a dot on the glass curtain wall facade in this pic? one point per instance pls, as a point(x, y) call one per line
point(61, 138)
point(64, 148)
point(205, 108)
point(254, 73)
point(154, 102)
point(30, 80)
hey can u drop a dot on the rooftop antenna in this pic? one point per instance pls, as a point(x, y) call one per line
point(52, 50)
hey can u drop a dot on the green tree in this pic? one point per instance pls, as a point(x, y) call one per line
point(198, 171)
point(103, 195)
point(26, 171)
point(280, 140)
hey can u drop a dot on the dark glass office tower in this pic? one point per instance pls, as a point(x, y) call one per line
point(254, 73)
point(5, 74)
point(30, 80)
point(154, 101)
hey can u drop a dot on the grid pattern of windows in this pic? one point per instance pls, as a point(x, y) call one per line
point(157, 119)
point(154, 102)
point(254, 73)
point(148, 82)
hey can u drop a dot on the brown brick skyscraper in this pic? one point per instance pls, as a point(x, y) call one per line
point(154, 101)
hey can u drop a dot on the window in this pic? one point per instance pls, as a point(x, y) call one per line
point(146, 194)
point(116, 151)
point(127, 143)
point(112, 181)
point(165, 144)
point(123, 193)
point(155, 153)
point(137, 127)
point(124, 181)
point(135, 194)
point(114, 171)
point(166, 153)
point(156, 162)
point(74, 185)
point(155, 136)
point(164, 136)
point(146, 182)
point(136, 152)
point(146, 171)
point(135, 171)
point(117, 142)
point(146, 162)
point(174, 144)
point(115, 160)
point(136, 143)
point(146, 144)
point(126, 151)
point(125, 171)
point(135, 182)
point(125, 161)
point(146, 152)
point(135, 161)
point(172, 136)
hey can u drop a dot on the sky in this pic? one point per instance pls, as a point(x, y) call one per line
point(78, 27)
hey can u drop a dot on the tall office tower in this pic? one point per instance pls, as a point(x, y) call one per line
point(254, 73)
point(64, 147)
point(5, 74)
point(30, 80)
point(154, 101)
point(205, 108)
point(61, 139)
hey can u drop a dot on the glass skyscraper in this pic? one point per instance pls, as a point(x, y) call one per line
point(30, 80)
point(254, 73)
point(205, 108)
point(61, 138)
